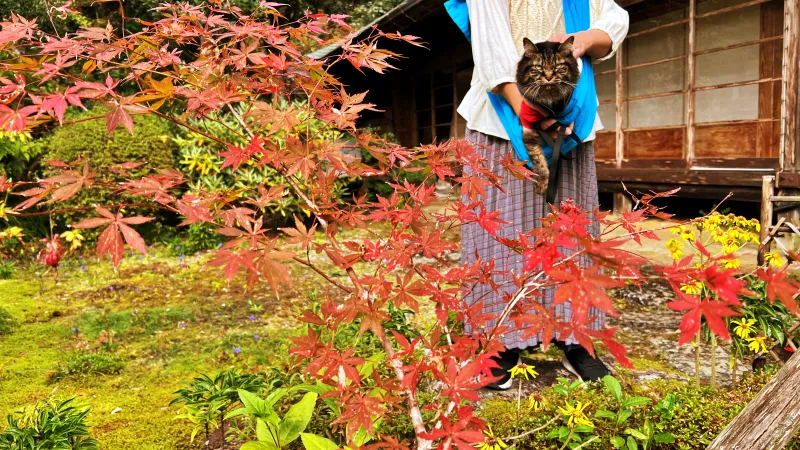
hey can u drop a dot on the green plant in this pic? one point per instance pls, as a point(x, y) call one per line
point(192, 239)
point(646, 434)
point(762, 324)
point(48, 425)
point(274, 432)
point(7, 322)
point(201, 163)
point(206, 400)
point(88, 364)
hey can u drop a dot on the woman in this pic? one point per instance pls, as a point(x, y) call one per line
point(497, 29)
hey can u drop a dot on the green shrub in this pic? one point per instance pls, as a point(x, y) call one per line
point(151, 143)
point(88, 364)
point(200, 163)
point(7, 268)
point(207, 400)
point(7, 322)
point(687, 417)
point(192, 239)
point(48, 425)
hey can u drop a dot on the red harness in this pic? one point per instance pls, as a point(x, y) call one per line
point(529, 116)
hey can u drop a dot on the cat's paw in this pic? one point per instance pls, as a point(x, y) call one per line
point(540, 180)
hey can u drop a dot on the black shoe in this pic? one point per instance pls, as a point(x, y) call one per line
point(506, 360)
point(578, 361)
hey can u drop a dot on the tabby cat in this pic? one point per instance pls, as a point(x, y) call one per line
point(546, 76)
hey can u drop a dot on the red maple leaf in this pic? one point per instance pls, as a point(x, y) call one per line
point(780, 287)
point(713, 310)
point(111, 239)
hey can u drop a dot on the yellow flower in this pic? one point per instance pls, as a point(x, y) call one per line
point(523, 370)
point(11, 232)
point(536, 402)
point(74, 237)
point(491, 442)
point(730, 246)
point(675, 247)
point(773, 259)
point(755, 223)
point(758, 344)
point(693, 288)
point(732, 263)
point(676, 230)
point(576, 414)
point(744, 327)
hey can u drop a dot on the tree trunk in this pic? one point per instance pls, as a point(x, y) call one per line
point(771, 419)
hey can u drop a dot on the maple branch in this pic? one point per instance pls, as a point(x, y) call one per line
point(321, 273)
point(413, 406)
point(87, 208)
point(188, 127)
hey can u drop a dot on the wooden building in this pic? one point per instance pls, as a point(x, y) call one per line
point(703, 94)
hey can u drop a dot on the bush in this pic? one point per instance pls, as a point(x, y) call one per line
point(192, 239)
point(151, 143)
point(48, 425)
point(689, 415)
point(88, 364)
point(200, 163)
point(7, 268)
point(7, 322)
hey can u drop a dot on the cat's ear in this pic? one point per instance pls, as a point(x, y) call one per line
point(530, 47)
point(566, 46)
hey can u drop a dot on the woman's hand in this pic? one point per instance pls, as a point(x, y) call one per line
point(514, 97)
point(594, 43)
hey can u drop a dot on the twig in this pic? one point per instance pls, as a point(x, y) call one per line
point(528, 433)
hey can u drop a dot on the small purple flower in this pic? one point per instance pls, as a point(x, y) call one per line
point(182, 325)
point(136, 289)
point(219, 245)
point(111, 288)
point(75, 330)
point(256, 337)
point(252, 318)
point(83, 268)
point(237, 350)
point(141, 257)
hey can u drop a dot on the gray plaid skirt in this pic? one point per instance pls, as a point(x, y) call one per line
point(523, 208)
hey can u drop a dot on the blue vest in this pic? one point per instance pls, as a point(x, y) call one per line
point(582, 107)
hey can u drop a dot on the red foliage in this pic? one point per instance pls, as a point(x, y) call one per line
point(199, 59)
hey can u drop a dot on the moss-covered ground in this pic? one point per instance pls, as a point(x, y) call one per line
point(169, 319)
point(160, 320)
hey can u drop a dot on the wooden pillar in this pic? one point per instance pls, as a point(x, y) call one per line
point(790, 110)
point(622, 202)
point(690, 84)
point(770, 420)
point(767, 191)
point(620, 104)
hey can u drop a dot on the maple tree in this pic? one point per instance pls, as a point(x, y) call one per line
point(202, 59)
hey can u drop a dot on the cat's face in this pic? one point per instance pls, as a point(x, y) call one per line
point(548, 71)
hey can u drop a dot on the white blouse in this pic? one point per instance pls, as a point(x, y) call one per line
point(496, 54)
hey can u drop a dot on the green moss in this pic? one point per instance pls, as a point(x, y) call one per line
point(144, 322)
point(172, 324)
point(7, 322)
point(88, 364)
